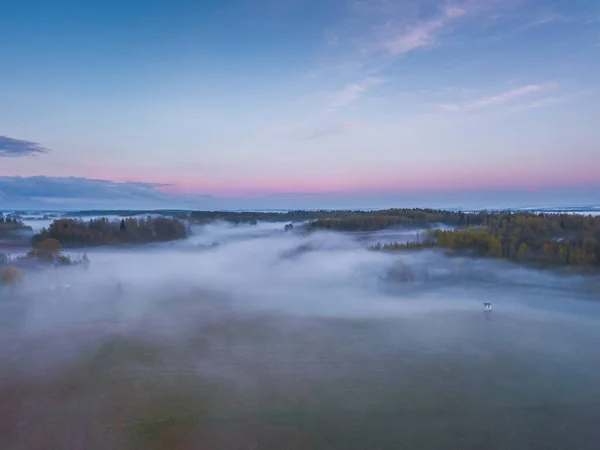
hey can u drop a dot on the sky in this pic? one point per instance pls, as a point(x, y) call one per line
point(299, 103)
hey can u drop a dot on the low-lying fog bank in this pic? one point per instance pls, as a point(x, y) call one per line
point(276, 339)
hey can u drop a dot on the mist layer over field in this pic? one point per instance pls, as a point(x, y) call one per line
point(247, 337)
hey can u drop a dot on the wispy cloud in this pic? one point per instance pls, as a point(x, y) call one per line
point(497, 99)
point(10, 147)
point(543, 20)
point(341, 128)
point(551, 101)
point(281, 128)
point(374, 34)
point(351, 93)
point(331, 102)
point(423, 33)
point(540, 21)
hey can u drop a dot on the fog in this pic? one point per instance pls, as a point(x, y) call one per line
point(251, 337)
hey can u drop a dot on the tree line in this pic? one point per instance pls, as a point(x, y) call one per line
point(102, 231)
point(382, 219)
point(228, 216)
point(329, 217)
point(252, 217)
point(11, 225)
point(347, 220)
point(564, 239)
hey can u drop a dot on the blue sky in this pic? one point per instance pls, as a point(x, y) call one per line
point(344, 102)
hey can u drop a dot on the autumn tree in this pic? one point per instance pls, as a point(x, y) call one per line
point(11, 276)
point(522, 252)
point(494, 247)
point(77, 233)
point(49, 245)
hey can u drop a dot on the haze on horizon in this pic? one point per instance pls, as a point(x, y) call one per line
point(299, 104)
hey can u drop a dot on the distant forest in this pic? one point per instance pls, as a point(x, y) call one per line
point(564, 239)
point(379, 220)
point(78, 233)
point(348, 220)
point(330, 217)
point(10, 226)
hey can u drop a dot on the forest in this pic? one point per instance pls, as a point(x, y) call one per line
point(124, 213)
point(253, 217)
point(347, 220)
point(563, 239)
point(381, 219)
point(227, 216)
point(79, 233)
point(10, 226)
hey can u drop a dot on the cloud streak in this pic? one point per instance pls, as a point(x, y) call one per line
point(351, 93)
point(424, 33)
point(497, 99)
point(281, 128)
point(341, 128)
point(10, 147)
point(550, 101)
point(376, 33)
